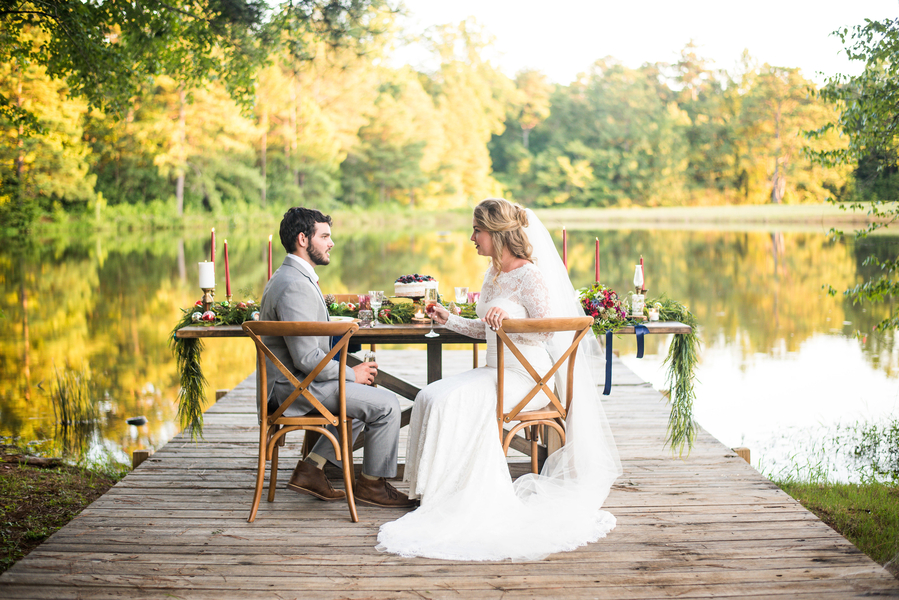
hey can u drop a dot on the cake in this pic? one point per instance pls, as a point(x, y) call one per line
point(413, 286)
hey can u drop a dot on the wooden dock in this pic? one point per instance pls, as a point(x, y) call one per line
point(707, 526)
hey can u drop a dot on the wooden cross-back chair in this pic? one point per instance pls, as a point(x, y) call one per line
point(553, 414)
point(273, 427)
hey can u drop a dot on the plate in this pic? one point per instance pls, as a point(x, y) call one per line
point(345, 319)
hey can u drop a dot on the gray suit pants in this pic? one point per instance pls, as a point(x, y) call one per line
point(375, 409)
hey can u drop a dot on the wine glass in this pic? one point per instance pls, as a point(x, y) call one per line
point(461, 295)
point(430, 306)
point(376, 300)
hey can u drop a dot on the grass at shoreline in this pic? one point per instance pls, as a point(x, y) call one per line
point(35, 501)
point(803, 217)
point(865, 514)
point(783, 217)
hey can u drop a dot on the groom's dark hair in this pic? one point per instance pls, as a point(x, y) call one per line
point(299, 220)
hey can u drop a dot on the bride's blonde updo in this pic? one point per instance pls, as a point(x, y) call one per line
point(505, 222)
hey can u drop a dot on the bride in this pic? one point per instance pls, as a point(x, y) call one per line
point(470, 507)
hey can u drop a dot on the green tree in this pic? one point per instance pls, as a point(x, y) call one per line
point(106, 50)
point(533, 90)
point(712, 104)
point(48, 170)
point(630, 130)
point(472, 98)
point(868, 104)
point(393, 154)
point(124, 151)
point(208, 151)
point(777, 109)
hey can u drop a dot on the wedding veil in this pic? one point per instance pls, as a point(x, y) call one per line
point(580, 474)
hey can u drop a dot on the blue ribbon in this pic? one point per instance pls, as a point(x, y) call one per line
point(607, 388)
point(640, 330)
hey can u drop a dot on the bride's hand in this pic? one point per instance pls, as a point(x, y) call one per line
point(494, 317)
point(439, 314)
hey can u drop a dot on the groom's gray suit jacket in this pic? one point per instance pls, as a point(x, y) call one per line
point(291, 295)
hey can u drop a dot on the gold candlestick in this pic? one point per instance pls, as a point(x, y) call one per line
point(208, 298)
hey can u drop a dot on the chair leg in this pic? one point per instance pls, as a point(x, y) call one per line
point(273, 477)
point(534, 449)
point(348, 470)
point(260, 477)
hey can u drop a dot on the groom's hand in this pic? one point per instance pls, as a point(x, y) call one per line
point(365, 372)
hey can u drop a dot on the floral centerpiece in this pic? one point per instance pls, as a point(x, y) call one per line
point(606, 308)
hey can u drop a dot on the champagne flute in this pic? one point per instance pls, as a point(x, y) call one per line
point(376, 301)
point(430, 306)
point(461, 295)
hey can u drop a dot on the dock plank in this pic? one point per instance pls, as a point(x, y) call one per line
point(703, 526)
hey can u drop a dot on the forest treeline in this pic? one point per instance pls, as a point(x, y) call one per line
point(345, 127)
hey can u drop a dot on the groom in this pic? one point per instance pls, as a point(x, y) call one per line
point(293, 294)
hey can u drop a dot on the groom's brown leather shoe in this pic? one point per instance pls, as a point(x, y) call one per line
point(307, 479)
point(377, 492)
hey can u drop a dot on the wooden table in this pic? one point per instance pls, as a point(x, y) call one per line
point(413, 334)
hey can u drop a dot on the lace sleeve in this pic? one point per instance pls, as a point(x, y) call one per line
point(535, 299)
point(473, 328)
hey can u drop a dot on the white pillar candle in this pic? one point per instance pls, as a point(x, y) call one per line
point(207, 275)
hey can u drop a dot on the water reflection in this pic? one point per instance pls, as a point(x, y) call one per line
point(109, 303)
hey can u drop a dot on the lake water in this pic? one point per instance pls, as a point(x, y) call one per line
point(781, 368)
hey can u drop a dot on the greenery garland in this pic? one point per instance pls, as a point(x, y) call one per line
point(682, 359)
point(187, 351)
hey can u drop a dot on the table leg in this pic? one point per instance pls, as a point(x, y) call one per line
point(435, 362)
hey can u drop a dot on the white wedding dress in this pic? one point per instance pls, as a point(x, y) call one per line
point(470, 507)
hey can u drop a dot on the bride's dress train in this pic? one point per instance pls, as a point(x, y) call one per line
point(470, 507)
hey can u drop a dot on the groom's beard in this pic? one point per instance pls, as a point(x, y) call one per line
point(318, 257)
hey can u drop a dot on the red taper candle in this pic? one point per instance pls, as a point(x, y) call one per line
point(270, 257)
point(642, 289)
point(227, 273)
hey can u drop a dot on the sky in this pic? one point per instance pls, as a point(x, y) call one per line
point(563, 38)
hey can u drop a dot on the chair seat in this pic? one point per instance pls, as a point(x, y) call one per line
point(542, 414)
point(300, 421)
